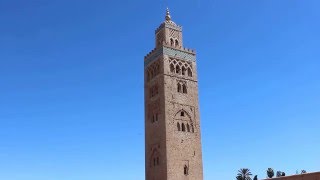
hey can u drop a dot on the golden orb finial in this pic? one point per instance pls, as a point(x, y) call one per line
point(168, 17)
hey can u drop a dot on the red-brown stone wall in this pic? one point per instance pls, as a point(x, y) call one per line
point(306, 176)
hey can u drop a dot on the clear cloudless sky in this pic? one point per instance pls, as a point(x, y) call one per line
point(71, 85)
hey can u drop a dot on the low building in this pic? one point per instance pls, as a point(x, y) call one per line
point(305, 176)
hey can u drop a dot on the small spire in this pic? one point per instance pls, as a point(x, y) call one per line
point(168, 17)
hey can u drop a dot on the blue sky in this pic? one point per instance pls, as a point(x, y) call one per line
point(71, 94)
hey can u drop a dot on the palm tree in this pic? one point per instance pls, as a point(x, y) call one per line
point(270, 172)
point(244, 174)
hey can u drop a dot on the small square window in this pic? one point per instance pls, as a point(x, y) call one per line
point(182, 113)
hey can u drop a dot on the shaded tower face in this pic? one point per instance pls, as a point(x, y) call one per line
point(172, 122)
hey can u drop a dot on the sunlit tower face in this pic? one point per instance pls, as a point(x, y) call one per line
point(172, 122)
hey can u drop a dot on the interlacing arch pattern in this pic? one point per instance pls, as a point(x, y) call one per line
point(153, 70)
point(180, 67)
point(183, 121)
point(174, 34)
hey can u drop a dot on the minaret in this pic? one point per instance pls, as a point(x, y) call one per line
point(172, 121)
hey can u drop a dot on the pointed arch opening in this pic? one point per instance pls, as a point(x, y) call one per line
point(178, 69)
point(183, 70)
point(189, 72)
point(184, 88)
point(177, 43)
point(185, 170)
point(155, 158)
point(183, 127)
point(171, 68)
point(179, 87)
point(183, 121)
point(182, 114)
point(171, 42)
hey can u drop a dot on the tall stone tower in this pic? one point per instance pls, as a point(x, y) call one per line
point(172, 122)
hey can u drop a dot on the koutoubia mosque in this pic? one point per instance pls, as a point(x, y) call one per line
point(172, 121)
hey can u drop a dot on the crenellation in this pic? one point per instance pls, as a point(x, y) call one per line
point(182, 49)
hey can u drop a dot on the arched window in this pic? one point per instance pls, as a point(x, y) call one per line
point(182, 113)
point(177, 69)
point(188, 128)
point(171, 42)
point(192, 128)
point(185, 170)
point(178, 126)
point(155, 158)
point(171, 68)
point(189, 72)
point(183, 127)
point(177, 43)
point(183, 70)
point(179, 87)
point(184, 88)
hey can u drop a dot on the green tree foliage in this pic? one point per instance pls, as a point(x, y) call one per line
point(303, 171)
point(270, 172)
point(283, 174)
point(244, 174)
point(255, 177)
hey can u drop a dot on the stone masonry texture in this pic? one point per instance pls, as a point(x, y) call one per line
point(172, 120)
